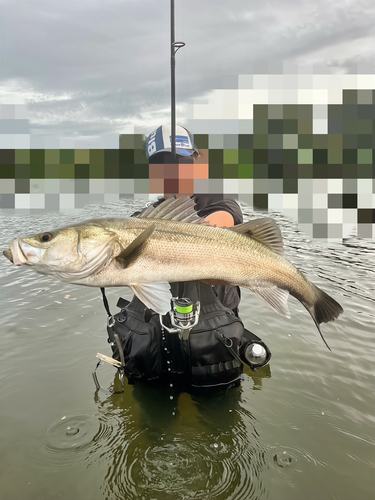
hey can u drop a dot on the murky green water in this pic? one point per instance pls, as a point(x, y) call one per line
point(301, 428)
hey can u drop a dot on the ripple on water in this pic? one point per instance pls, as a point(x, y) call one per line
point(231, 462)
point(286, 457)
point(72, 439)
point(185, 465)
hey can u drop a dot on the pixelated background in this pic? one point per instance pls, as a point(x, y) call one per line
point(282, 108)
point(325, 179)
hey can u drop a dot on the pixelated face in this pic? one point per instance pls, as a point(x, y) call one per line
point(178, 177)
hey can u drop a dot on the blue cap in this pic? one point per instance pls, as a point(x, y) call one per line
point(159, 141)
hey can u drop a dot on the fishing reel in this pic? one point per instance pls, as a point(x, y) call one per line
point(184, 317)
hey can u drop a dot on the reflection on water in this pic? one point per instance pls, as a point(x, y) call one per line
point(307, 431)
point(182, 447)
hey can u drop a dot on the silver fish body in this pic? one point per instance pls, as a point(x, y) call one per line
point(147, 254)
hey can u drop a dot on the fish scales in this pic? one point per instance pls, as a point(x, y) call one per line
point(184, 252)
point(149, 253)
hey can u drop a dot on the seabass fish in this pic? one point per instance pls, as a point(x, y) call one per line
point(170, 243)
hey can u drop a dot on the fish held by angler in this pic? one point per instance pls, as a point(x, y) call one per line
point(171, 243)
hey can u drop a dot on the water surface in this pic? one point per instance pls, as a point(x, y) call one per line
point(302, 427)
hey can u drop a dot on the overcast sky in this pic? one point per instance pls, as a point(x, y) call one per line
point(86, 68)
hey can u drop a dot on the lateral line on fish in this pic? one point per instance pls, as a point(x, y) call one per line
point(179, 252)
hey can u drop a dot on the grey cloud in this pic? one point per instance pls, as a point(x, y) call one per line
point(112, 57)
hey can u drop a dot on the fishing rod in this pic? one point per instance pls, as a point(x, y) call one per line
point(174, 48)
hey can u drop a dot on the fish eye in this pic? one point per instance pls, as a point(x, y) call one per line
point(45, 237)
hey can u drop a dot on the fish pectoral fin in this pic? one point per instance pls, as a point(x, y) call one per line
point(155, 296)
point(265, 230)
point(276, 297)
point(130, 254)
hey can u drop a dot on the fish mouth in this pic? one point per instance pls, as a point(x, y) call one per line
point(21, 253)
point(14, 254)
point(8, 254)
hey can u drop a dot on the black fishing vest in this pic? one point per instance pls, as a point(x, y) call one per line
point(208, 358)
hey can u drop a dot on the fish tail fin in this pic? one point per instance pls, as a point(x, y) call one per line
point(324, 309)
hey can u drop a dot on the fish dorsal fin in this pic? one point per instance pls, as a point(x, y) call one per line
point(265, 230)
point(131, 252)
point(180, 209)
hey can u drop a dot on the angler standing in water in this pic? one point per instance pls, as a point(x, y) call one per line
point(209, 354)
point(184, 329)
